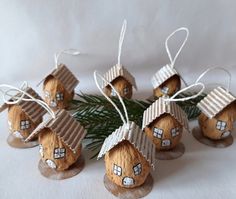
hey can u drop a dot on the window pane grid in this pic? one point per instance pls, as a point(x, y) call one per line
point(221, 125)
point(24, 124)
point(59, 153)
point(137, 169)
point(157, 132)
point(59, 96)
point(117, 170)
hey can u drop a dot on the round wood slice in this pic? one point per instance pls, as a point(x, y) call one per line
point(19, 143)
point(132, 193)
point(175, 153)
point(197, 133)
point(52, 174)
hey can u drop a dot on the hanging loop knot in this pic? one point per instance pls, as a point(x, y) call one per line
point(57, 55)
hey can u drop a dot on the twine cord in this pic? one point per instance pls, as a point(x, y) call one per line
point(121, 40)
point(57, 55)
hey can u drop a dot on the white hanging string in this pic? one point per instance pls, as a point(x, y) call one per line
point(109, 99)
point(172, 61)
point(216, 68)
point(17, 99)
point(173, 98)
point(67, 51)
point(121, 40)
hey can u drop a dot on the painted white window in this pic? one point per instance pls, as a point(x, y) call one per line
point(113, 93)
point(175, 132)
point(24, 124)
point(17, 134)
point(53, 104)
point(41, 149)
point(117, 170)
point(51, 164)
point(59, 153)
point(126, 90)
point(127, 181)
point(46, 94)
point(137, 169)
point(59, 96)
point(164, 90)
point(10, 125)
point(165, 143)
point(225, 134)
point(221, 125)
point(157, 132)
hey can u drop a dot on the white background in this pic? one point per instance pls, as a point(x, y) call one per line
point(32, 31)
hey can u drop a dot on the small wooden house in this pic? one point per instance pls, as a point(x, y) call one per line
point(59, 87)
point(122, 81)
point(166, 82)
point(164, 122)
point(129, 156)
point(24, 116)
point(60, 140)
point(218, 113)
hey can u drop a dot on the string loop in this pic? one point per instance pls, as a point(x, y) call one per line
point(125, 119)
point(172, 61)
point(216, 68)
point(17, 99)
point(67, 51)
point(121, 40)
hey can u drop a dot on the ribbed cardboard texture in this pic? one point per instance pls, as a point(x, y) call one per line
point(136, 137)
point(65, 127)
point(32, 109)
point(159, 107)
point(215, 101)
point(118, 71)
point(162, 75)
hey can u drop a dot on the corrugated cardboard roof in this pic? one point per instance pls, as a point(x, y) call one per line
point(136, 137)
point(215, 102)
point(159, 107)
point(32, 109)
point(65, 127)
point(118, 71)
point(65, 76)
point(162, 75)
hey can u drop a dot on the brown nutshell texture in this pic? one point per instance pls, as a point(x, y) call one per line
point(50, 141)
point(15, 116)
point(209, 126)
point(126, 156)
point(120, 84)
point(172, 83)
point(54, 86)
point(166, 123)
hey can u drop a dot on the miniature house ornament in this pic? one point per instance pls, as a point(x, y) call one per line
point(164, 122)
point(59, 85)
point(129, 156)
point(60, 139)
point(167, 81)
point(217, 116)
point(118, 76)
point(23, 115)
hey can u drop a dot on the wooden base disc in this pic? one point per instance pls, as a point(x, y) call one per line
point(132, 193)
point(52, 174)
point(174, 153)
point(19, 143)
point(197, 133)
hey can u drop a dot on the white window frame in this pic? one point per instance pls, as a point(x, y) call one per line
point(117, 170)
point(47, 94)
point(221, 125)
point(174, 132)
point(59, 153)
point(157, 132)
point(130, 180)
point(163, 141)
point(24, 124)
point(126, 90)
point(165, 90)
point(41, 150)
point(113, 93)
point(59, 96)
point(137, 169)
point(51, 164)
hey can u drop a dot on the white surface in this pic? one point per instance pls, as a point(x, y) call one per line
point(31, 31)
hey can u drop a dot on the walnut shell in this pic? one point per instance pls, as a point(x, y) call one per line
point(55, 94)
point(58, 159)
point(126, 157)
point(169, 87)
point(122, 86)
point(165, 132)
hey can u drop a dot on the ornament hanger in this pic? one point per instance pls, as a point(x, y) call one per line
point(216, 68)
point(67, 51)
point(21, 98)
point(121, 40)
point(172, 99)
point(124, 119)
